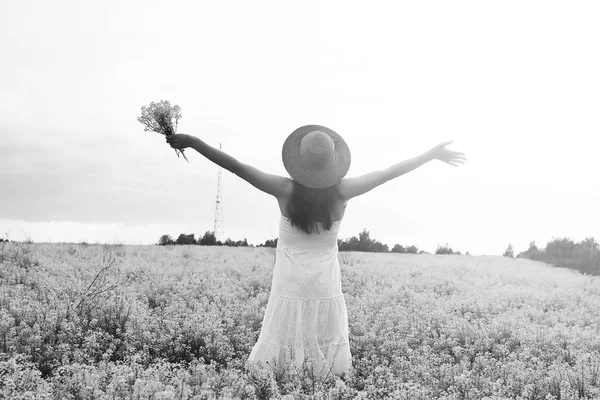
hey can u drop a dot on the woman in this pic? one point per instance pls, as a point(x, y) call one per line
point(306, 317)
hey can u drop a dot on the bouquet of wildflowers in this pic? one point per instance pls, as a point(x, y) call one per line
point(161, 117)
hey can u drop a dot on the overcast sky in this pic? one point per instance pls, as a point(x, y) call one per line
point(515, 85)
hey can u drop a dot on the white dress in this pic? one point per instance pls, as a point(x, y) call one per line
point(306, 316)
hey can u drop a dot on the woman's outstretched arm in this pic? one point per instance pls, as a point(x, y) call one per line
point(275, 185)
point(352, 187)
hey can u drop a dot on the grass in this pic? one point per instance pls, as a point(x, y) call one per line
point(93, 321)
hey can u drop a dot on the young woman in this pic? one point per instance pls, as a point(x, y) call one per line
point(306, 317)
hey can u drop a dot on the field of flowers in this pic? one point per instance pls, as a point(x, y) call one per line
point(178, 322)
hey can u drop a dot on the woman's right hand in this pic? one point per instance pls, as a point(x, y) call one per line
point(180, 141)
point(451, 157)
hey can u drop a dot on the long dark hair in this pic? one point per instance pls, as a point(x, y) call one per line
point(308, 206)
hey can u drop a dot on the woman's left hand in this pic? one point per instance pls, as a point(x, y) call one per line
point(440, 152)
point(180, 141)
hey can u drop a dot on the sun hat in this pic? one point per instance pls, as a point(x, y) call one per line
point(316, 156)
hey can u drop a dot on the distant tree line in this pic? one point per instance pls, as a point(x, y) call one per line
point(209, 239)
point(447, 250)
point(583, 256)
point(363, 243)
point(269, 243)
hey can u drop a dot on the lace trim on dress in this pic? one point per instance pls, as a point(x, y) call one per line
point(291, 346)
point(306, 299)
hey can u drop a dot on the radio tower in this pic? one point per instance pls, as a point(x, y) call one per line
point(219, 207)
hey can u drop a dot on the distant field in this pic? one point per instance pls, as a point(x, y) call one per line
point(178, 322)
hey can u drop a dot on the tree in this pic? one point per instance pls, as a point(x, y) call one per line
point(165, 240)
point(270, 243)
point(444, 250)
point(378, 247)
point(398, 249)
point(241, 243)
point(186, 239)
point(209, 239)
point(350, 244)
point(561, 248)
point(238, 243)
point(589, 246)
point(412, 249)
point(531, 252)
point(362, 243)
point(563, 252)
point(509, 252)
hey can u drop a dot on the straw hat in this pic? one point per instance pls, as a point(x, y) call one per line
point(316, 156)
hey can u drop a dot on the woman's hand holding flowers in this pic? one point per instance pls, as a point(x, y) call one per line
point(180, 141)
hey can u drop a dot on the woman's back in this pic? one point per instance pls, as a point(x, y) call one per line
point(330, 201)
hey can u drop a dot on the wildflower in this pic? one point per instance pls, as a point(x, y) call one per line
point(161, 117)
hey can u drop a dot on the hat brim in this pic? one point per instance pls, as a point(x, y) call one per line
point(317, 178)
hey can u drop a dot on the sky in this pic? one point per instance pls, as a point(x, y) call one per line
point(514, 85)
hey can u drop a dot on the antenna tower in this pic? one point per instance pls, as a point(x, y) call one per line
point(218, 230)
